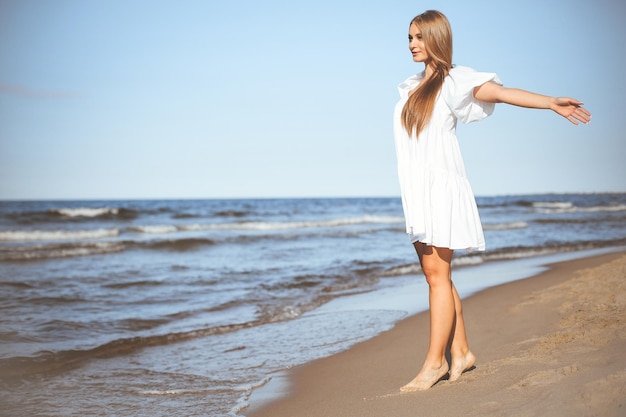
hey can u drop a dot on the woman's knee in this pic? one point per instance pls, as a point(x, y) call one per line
point(436, 274)
point(435, 264)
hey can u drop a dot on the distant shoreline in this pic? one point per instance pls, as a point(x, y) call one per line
point(117, 199)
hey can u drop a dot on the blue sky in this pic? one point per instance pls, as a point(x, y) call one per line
point(202, 99)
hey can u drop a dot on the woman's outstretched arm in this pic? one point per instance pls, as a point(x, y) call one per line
point(567, 107)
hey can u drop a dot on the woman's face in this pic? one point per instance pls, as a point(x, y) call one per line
point(416, 44)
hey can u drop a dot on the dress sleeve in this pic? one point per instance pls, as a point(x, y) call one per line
point(458, 93)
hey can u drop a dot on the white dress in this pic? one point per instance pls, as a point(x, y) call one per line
point(438, 202)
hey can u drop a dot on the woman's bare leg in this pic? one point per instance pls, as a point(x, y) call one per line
point(436, 267)
point(462, 358)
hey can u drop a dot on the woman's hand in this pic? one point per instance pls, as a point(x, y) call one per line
point(571, 109)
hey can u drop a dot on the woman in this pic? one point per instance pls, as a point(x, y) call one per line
point(439, 205)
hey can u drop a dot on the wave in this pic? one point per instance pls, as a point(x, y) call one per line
point(268, 226)
point(52, 301)
point(620, 207)
point(178, 245)
point(61, 250)
point(130, 284)
point(232, 213)
point(75, 214)
point(407, 269)
point(177, 392)
point(12, 336)
point(595, 219)
point(506, 226)
point(92, 212)
point(162, 229)
point(71, 249)
point(553, 205)
point(519, 252)
point(17, 285)
point(558, 203)
point(33, 235)
point(566, 207)
point(264, 226)
point(155, 229)
point(16, 368)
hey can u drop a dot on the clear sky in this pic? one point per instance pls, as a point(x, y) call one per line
point(219, 98)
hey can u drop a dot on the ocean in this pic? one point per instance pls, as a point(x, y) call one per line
point(185, 307)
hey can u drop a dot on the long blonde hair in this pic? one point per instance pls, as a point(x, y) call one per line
point(437, 37)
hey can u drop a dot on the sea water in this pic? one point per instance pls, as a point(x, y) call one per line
point(183, 307)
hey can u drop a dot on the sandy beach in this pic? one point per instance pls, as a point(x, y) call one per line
point(549, 345)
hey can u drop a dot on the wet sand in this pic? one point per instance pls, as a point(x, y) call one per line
point(552, 344)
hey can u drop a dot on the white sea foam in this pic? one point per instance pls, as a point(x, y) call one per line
point(244, 401)
point(267, 226)
point(506, 226)
point(403, 270)
point(26, 253)
point(349, 221)
point(252, 386)
point(155, 229)
point(620, 207)
point(30, 235)
point(522, 253)
point(85, 211)
point(174, 392)
point(468, 260)
point(559, 205)
point(556, 208)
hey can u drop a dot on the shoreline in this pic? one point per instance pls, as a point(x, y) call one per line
point(540, 349)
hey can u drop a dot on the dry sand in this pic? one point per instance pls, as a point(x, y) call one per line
point(550, 345)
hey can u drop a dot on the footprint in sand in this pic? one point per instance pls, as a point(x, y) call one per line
point(547, 377)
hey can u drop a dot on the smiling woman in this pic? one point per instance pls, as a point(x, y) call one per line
point(439, 205)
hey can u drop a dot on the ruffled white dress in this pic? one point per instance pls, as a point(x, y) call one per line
point(439, 205)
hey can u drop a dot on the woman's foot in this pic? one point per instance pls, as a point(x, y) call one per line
point(426, 378)
point(461, 364)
